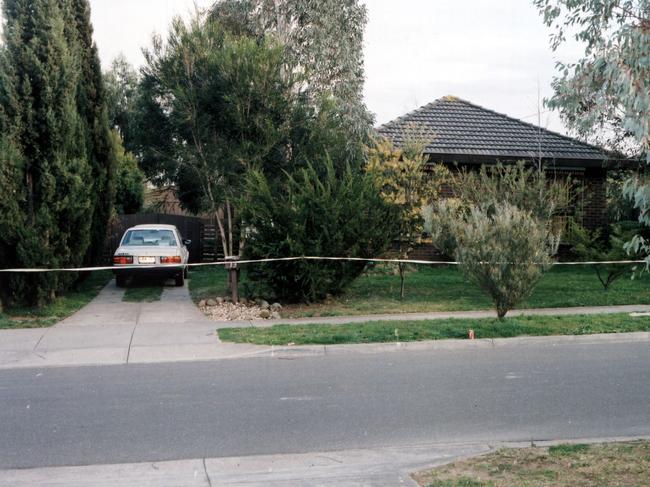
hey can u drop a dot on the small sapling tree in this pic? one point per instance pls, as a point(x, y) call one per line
point(404, 181)
point(593, 246)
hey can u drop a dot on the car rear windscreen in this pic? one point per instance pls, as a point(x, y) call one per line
point(149, 237)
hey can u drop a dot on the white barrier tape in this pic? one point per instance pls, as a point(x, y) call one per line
point(288, 259)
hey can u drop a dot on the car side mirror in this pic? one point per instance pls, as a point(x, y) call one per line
point(187, 242)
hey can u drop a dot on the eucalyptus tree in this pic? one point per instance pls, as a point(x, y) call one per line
point(610, 84)
point(121, 84)
point(323, 40)
point(608, 89)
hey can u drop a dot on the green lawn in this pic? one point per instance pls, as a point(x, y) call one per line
point(405, 331)
point(61, 308)
point(443, 288)
point(210, 282)
point(626, 463)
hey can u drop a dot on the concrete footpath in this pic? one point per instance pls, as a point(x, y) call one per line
point(109, 331)
point(379, 467)
point(389, 467)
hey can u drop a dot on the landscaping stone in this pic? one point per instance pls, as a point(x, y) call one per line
point(232, 312)
point(264, 304)
point(220, 300)
point(276, 307)
point(202, 303)
point(265, 314)
point(275, 315)
point(211, 302)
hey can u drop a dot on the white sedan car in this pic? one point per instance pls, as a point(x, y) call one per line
point(159, 249)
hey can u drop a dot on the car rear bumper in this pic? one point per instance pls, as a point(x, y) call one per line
point(157, 271)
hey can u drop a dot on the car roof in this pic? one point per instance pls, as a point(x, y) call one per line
point(153, 227)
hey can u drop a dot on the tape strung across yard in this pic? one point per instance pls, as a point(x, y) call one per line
point(289, 259)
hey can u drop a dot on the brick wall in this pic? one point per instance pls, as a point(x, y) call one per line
point(594, 199)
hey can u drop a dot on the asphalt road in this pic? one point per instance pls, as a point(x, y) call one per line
point(115, 414)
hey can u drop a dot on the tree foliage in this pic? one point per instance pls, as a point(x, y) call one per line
point(323, 41)
point(610, 85)
point(505, 251)
point(121, 85)
point(223, 107)
point(521, 186)
point(91, 104)
point(40, 77)
point(607, 91)
point(129, 183)
point(215, 105)
point(314, 212)
point(56, 162)
point(499, 227)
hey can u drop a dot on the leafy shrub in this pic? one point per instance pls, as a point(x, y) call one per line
point(313, 213)
point(444, 218)
point(518, 185)
point(598, 247)
point(505, 251)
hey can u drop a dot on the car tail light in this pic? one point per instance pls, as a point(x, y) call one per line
point(176, 259)
point(123, 259)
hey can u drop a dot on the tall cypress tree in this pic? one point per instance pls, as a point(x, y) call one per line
point(91, 103)
point(40, 75)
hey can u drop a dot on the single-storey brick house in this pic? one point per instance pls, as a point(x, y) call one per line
point(469, 135)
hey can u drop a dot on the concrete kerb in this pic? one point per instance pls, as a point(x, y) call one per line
point(455, 344)
point(380, 466)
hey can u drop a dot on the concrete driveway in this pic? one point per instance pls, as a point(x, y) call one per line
point(109, 331)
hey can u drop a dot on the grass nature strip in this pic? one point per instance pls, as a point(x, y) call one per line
point(568, 465)
point(61, 308)
point(405, 331)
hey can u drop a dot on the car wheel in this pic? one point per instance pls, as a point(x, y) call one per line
point(180, 280)
point(120, 281)
point(186, 272)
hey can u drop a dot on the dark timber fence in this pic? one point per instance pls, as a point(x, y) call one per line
point(205, 246)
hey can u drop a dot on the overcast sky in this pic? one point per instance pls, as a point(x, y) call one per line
point(494, 53)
